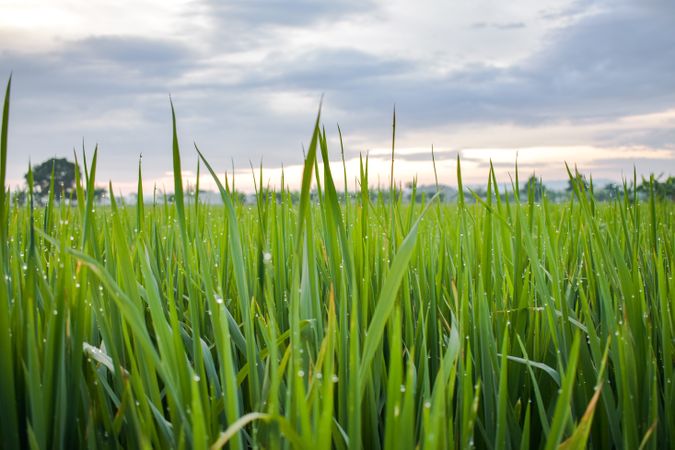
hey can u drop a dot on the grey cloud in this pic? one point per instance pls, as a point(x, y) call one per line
point(498, 25)
point(523, 166)
point(127, 50)
point(242, 25)
point(422, 157)
point(100, 67)
point(342, 69)
point(657, 166)
point(570, 10)
point(604, 66)
point(657, 138)
point(286, 13)
point(608, 65)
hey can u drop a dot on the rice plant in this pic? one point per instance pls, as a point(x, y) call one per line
point(335, 322)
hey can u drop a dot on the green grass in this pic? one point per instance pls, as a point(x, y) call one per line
point(506, 324)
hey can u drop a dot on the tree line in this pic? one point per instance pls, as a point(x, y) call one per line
point(62, 171)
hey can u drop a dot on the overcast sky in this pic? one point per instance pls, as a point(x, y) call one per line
point(587, 82)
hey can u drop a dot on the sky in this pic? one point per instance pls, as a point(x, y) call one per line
point(589, 83)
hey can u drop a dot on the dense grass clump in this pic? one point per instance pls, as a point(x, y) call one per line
point(343, 322)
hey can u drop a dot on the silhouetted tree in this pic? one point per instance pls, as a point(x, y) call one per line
point(99, 193)
point(580, 179)
point(611, 191)
point(662, 189)
point(64, 177)
point(534, 186)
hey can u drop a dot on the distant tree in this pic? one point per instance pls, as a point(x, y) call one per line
point(20, 196)
point(99, 193)
point(580, 179)
point(64, 177)
point(470, 194)
point(666, 189)
point(611, 191)
point(535, 187)
point(662, 189)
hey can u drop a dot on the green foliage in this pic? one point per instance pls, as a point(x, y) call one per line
point(64, 177)
point(578, 181)
point(339, 322)
point(533, 187)
point(662, 189)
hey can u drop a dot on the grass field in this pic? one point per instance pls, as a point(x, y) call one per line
point(342, 322)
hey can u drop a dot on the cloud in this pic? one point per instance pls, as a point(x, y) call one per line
point(498, 25)
point(100, 67)
point(341, 69)
point(606, 65)
point(283, 13)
